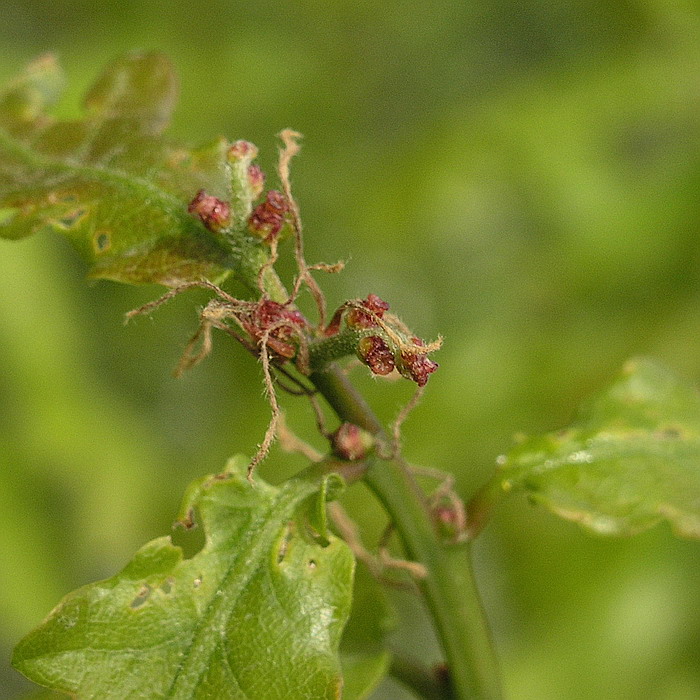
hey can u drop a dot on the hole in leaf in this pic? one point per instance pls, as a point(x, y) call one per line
point(197, 582)
point(141, 597)
point(101, 241)
point(70, 219)
point(312, 564)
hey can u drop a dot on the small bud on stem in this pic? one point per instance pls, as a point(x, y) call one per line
point(269, 217)
point(416, 365)
point(242, 150)
point(376, 354)
point(350, 442)
point(213, 212)
point(256, 179)
point(357, 318)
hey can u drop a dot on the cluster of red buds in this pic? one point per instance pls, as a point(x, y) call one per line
point(269, 217)
point(248, 183)
point(278, 323)
point(393, 347)
point(379, 339)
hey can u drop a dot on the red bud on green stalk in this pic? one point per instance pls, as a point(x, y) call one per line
point(213, 212)
point(417, 366)
point(376, 354)
point(357, 318)
point(350, 442)
point(282, 339)
point(256, 179)
point(242, 150)
point(334, 326)
point(447, 521)
point(269, 217)
point(247, 180)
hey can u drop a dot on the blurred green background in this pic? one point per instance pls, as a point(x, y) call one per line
point(519, 177)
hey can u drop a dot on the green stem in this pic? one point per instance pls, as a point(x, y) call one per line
point(345, 399)
point(321, 352)
point(449, 588)
point(246, 259)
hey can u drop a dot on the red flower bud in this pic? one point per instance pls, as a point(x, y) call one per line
point(449, 518)
point(241, 150)
point(277, 202)
point(256, 179)
point(214, 213)
point(376, 354)
point(268, 314)
point(417, 366)
point(357, 318)
point(376, 304)
point(334, 326)
point(350, 442)
point(268, 218)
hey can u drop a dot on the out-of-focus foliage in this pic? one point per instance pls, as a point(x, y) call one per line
point(631, 460)
point(520, 178)
point(108, 181)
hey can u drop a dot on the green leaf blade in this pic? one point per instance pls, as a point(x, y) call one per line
point(110, 181)
point(24, 102)
point(631, 460)
point(139, 88)
point(258, 612)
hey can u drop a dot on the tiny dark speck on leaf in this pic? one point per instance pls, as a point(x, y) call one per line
point(71, 218)
point(668, 433)
point(102, 241)
point(188, 522)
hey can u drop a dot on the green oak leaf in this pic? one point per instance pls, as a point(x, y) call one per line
point(257, 613)
point(111, 182)
point(631, 459)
